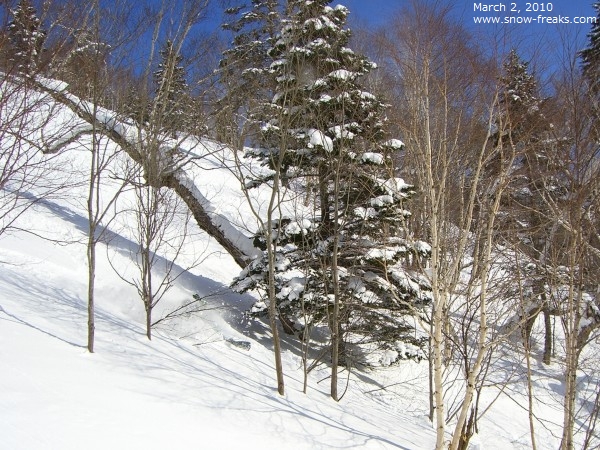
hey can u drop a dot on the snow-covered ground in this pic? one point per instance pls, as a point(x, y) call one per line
point(190, 387)
point(176, 391)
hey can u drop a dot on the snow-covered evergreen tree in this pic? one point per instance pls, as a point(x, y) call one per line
point(172, 90)
point(244, 68)
point(26, 36)
point(590, 65)
point(519, 121)
point(590, 56)
point(526, 142)
point(340, 259)
point(519, 100)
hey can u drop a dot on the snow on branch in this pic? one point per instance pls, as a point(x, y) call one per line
point(131, 139)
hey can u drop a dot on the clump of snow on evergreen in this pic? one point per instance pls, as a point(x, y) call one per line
point(302, 226)
point(395, 144)
point(345, 131)
point(343, 74)
point(293, 286)
point(319, 139)
point(382, 200)
point(365, 213)
point(383, 254)
point(373, 158)
point(396, 186)
point(422, 248)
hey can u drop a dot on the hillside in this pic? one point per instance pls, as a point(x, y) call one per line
point(191, 386)
point(272, 224)
point(187, 388)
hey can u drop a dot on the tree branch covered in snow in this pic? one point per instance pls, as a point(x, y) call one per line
point(127, 136)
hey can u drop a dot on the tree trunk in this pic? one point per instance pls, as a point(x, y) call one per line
point(572, 323)
point(336, 335)
point(570, 396)
point(547, 336)
point(91, 254)
point(271, 251)
point(482, 348)
point(530, 318)
point(438, 367)
point(335, 352)
point(305, 347)
point(468, 430)
point(430, 364)
point(334, 320)
point(92, 202)
point(205, 221)
point(149, 322)
point(460, 428)
point(201, 215)
point(440, 300)
point(273, 313)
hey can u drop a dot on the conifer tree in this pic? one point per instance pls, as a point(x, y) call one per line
point(519, 108)
point(244, 68)
point(526, 142)
point(590, 65)
point(339, 260)
point(172, 91)
point(27, 37)
point(590, 56)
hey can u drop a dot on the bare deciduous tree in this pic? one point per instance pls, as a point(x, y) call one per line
point(160, 232)
point(448, 129)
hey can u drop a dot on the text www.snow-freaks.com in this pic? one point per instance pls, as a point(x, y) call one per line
point(531, 20)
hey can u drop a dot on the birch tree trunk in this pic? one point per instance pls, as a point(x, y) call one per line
point(268, 226)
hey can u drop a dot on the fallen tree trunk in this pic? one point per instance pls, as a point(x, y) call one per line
point(234, 242)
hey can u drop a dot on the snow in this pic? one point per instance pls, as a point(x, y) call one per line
point(342, 131)
point(395, 143)
point(382, 200)
point(395, 186)
point(325, 98)
point(240, 240)
point(294, 287)
point(422, 247)
point(188, 387)
point(342, 9)
point(386, 254)
point(367, 96)
point(278, 63)
point(55, 85)
point(319, 43)
point(342, 74)
point(388, 357)
point(301, 226)
point(300, 50)
point(365, 213)
point(373, 158)
point(402, 278)
point(167, 393)
point(319, 139)
point(315, 22)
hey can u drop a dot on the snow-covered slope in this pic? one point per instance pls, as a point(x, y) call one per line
point(190, 387)
point(187, 388)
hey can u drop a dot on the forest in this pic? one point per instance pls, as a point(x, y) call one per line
point(411, 191)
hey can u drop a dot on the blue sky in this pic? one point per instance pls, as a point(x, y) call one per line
point(545, 40)
point(376, 11)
